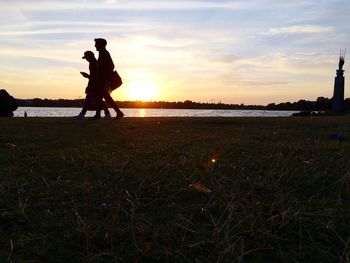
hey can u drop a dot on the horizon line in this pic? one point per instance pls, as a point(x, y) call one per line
point(182, 101)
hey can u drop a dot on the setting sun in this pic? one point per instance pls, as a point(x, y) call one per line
point(142, 90)
point(141, 85)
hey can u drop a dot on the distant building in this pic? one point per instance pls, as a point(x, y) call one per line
point(338, 93)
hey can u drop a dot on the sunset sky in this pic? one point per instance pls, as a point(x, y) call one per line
point(252, 52)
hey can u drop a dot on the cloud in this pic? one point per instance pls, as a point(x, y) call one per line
point(75, 27)
point(300, 29)
point(131, 5)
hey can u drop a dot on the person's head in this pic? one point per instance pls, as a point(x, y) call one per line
point(100, 44)
point(89, 56)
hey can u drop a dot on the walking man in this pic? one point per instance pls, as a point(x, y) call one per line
point(105, 69)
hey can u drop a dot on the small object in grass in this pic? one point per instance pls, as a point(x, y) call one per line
point(10, 145)
point(172, 204)
point(309, 162)
point(20, 190)
point(337, 137)
point(200, 188)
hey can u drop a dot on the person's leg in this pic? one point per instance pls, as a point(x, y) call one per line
point(83, 112)
point(99, 100)
point(112, 103)
point(105, 109)
point(84, 109)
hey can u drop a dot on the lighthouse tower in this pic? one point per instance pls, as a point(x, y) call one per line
point(338, 93)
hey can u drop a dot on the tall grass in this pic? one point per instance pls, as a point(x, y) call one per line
point(175, 190)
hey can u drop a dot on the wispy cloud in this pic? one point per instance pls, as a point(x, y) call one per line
point(74, 27)
point(133, 5)
point(299, 29)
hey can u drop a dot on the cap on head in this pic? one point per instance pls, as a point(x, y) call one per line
point(88, 54)
point(101, 41)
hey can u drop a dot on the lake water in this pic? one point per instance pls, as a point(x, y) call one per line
point(130, 112)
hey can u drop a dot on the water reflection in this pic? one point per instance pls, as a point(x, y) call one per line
point(70, 112)
point(142, 113)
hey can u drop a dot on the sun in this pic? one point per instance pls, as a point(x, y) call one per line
point(142, 90)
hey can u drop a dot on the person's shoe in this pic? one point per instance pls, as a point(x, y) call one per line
point(108, 116)
point(79, 116)
point(96, 117)
point(119, 115)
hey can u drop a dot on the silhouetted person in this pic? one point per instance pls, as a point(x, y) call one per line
point(91, 89)
point(7, 104)
point(105, 67)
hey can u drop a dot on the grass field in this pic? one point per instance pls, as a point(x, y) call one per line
point(175, 190)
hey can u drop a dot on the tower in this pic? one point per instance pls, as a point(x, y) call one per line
point(338, 93)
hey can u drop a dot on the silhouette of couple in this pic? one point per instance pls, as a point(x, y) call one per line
point(100, 78)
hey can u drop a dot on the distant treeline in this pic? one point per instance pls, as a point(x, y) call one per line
point(187, 104)
point(321, 104)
